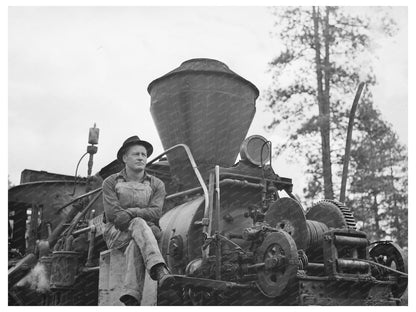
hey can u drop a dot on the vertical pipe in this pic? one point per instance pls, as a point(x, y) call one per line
point(33, 228)
point(218, 198)
point(218, 210)
point(208, 228)
point(90, 164)
point(217, 257)
point(211, 190)
point(49, 227)
point(68, 243)
point(264, 182)
point(91, 246)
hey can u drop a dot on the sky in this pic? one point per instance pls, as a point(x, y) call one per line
point(71, 67)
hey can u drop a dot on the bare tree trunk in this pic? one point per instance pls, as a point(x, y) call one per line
point(323, 100)
point(348, 143)
point(376, 217)
point(396, 223)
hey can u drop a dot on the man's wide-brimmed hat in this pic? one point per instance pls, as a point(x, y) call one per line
point(134, 140)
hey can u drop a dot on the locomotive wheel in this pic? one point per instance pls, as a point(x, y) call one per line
point(391, 255)
point(333, 214)
point(287, 214)
point(279, 249)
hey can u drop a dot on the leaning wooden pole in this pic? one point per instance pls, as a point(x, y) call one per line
point(348, 144)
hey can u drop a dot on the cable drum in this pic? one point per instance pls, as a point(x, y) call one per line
point(316, 232)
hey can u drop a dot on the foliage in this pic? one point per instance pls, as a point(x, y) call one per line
point(321, 65)
point(378, 180)
point(327, 52)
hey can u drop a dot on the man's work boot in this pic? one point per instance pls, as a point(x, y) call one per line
point(164, 278)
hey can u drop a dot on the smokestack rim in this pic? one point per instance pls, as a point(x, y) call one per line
point(221, 69)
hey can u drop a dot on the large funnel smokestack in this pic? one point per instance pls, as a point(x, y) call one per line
point(206, 106)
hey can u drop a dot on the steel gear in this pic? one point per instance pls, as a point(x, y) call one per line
point(332, 213)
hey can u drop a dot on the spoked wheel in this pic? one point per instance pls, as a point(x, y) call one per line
point(390, 255)
point(279, 254)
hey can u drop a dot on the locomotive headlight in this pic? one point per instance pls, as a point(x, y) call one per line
point(256, 150)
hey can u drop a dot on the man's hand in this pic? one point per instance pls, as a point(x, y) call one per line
point(122, 220)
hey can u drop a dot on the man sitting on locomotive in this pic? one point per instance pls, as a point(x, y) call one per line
point(133, 202)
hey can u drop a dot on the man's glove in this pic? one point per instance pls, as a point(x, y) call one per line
point(122, 220)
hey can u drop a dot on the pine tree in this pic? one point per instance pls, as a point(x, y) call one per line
point(328, 51)
point(314, 81)
point(378, 181)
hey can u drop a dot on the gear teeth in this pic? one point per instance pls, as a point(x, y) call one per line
point(346, 212)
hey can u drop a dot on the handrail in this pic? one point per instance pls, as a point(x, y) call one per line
point(197, 173)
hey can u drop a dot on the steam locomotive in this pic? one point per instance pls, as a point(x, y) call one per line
point(233, 233)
